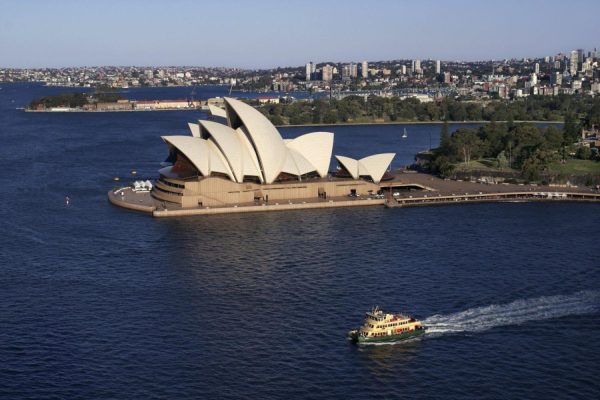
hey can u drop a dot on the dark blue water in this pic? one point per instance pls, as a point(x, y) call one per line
point(99, 302)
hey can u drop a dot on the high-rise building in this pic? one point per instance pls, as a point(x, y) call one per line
point(556, 64)
point(364, 69)
point(309, 70)
point(327, 72)
point(447, 77)
point(438, 67)
point(557, 78)
point(417, 68)
point(573, 63)
point(533, 79)
point(580, 55)
point(353, 70)
point(404, 70)
point(346, 71)
point(586, 65)
point(537, 68)
point(349, 71)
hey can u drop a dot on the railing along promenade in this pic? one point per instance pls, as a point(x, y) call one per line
point(431, 198)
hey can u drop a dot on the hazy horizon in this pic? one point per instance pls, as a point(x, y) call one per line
point(268, 34)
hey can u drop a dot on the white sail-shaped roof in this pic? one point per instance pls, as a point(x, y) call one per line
point(250, 166)
point(229, 144)
point(250, 146)
point(296, 164)
point(217, 111)
point(195, 129)
point(350, 164)
point(373, 166)
point(315, 147)
point(195, 149)
point(217, 161)
point(265, 138)
point(203, 154)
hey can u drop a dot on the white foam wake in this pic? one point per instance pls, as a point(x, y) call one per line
point(518, 312)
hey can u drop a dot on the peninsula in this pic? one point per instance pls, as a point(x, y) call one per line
point(238, 162)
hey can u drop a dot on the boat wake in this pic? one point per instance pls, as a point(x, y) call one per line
point(518, 312)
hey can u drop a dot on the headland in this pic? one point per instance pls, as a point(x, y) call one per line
point(238, 162)
point(404, 190)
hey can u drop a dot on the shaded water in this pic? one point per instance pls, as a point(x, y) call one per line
point(99, 302)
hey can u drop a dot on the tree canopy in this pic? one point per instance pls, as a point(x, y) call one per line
point(376, 109)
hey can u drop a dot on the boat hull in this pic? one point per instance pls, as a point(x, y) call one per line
point(356, 338)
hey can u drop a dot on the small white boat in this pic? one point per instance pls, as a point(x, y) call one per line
point(404, 135)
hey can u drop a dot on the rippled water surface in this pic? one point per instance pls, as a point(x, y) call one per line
point(99, 302)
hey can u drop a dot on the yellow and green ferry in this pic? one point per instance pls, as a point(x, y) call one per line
point(383, 327)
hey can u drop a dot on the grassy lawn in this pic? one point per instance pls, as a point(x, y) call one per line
point(485, 164)
point(571, 167)
point(574, 167)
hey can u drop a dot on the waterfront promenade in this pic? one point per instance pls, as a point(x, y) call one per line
point(445, 191)
point(407, 189)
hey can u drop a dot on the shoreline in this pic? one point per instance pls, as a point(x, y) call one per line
point(435, 191)
point(106, 111)
point(418, 123)
point(423, 201)
point(306, 125)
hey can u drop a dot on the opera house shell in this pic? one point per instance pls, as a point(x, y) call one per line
point(246, 160)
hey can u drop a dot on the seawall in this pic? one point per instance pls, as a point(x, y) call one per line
point(266, 208)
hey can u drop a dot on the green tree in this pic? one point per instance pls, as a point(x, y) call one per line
point(510, 122)
point(583, 153)
point(445, 148)
point(330, 117)
point(474, 112)
point(375, 106)
point(501, 160)
point(593, 116)
point(535, 165)
point(72, 100)
point(570, 129)
point(492, 136)
point(276, 119)
point(553, 138)
point(441, 165)
point(529, 140)
point(467, 143)
point(433, 111)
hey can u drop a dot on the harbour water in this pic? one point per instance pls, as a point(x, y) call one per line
point(99, 302)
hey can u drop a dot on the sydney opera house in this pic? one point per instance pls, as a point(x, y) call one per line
point(239, 157)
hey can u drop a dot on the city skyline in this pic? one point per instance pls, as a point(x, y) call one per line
point(39, 34)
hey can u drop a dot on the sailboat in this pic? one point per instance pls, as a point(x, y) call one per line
point(404, 135)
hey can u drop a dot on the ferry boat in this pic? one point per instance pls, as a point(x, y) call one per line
point(383, 327)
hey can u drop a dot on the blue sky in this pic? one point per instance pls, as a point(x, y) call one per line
point(257, 34)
